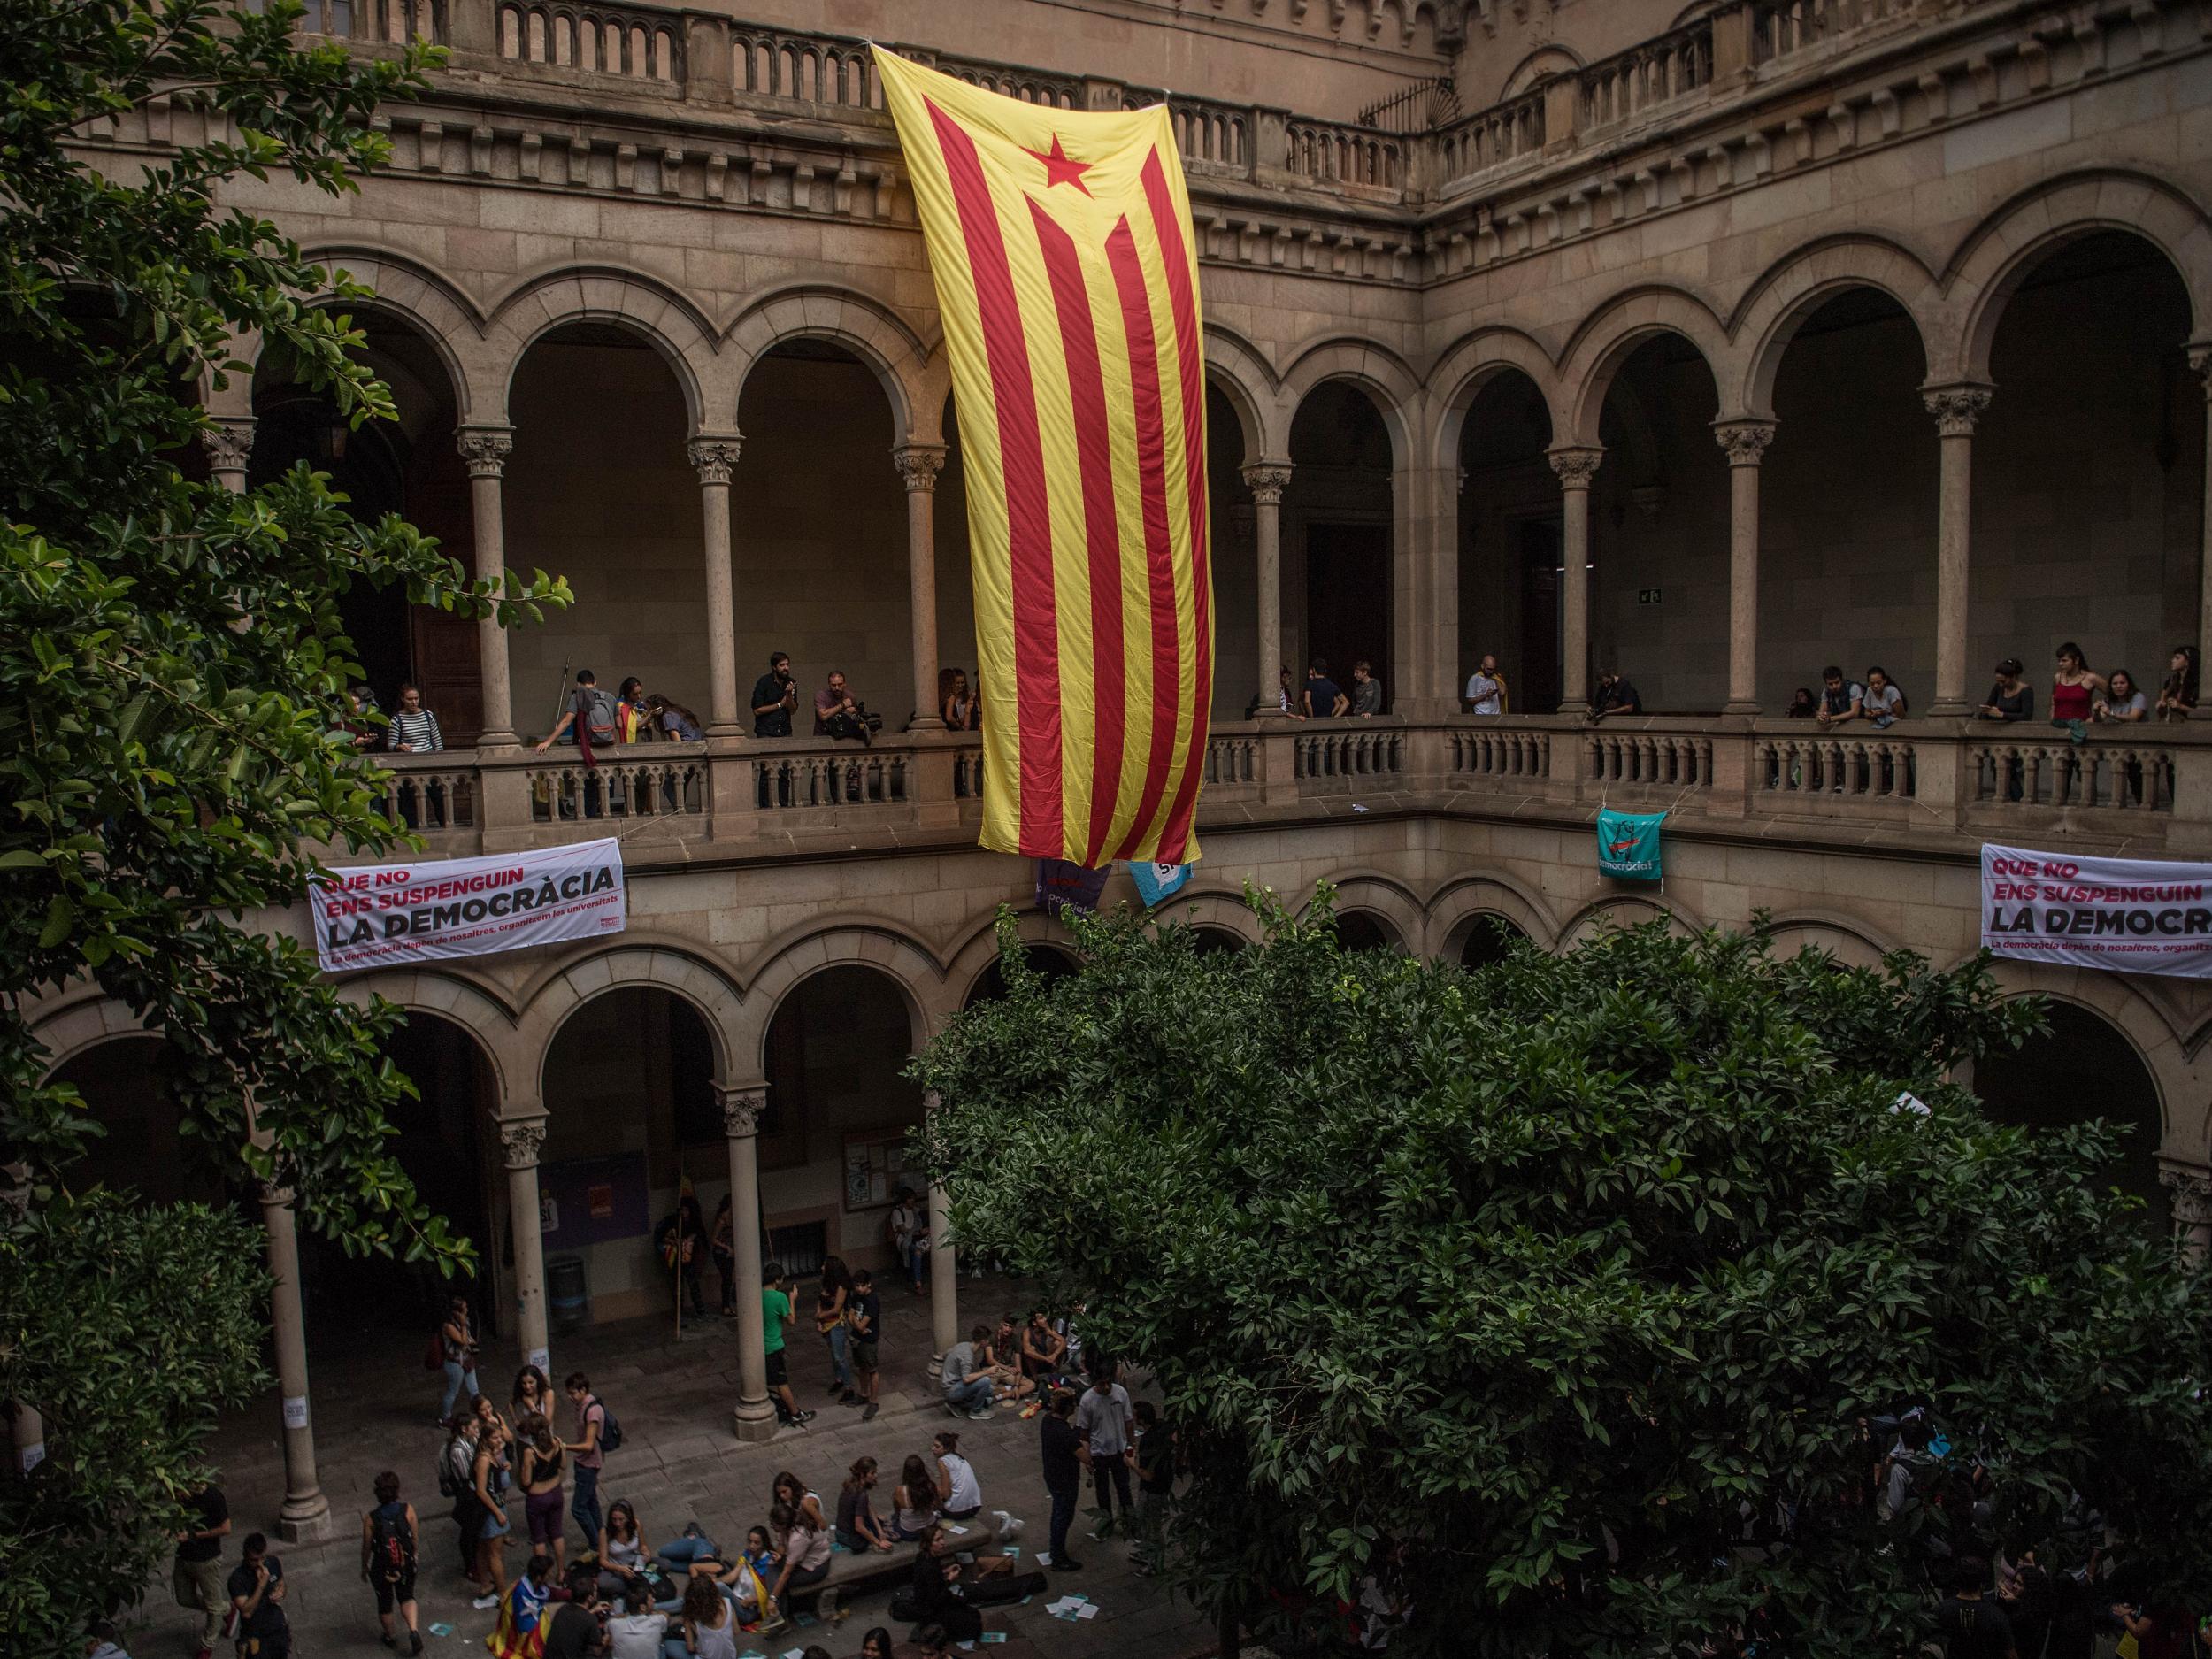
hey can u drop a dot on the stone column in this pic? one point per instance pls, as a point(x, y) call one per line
point(2192, 1197)
point(944, 1267)
point(305, 1513)
point(1746, 442)
point(918, 464)
point(1955, 408)
point(714, 458)
point(484, 451)
point(1267, 480)
point(756, 1418)
point(1576, 464)
point(228, 445)
point(522, 1137)
point(2200, 360)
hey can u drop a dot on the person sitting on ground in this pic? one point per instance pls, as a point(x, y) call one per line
point(836, 714)
point(967, 1393)
point(857, 1528)
point(998, 1357)
point(877, 1644)
point(1485, 687)
point(638, 1630)
point(913, 1501)
point(572, 1630)
point(1616, 696)
point(775, 695)
point(1322, 700)
point(1044, 1351)
point(517, 1635)
point(1840, 700)
point(937, 1597)
point(710, 1625)
point(1366, 692)
point(627, 1570)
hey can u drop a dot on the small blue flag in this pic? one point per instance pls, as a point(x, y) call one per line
point(1628, 844)
point(1155, 882)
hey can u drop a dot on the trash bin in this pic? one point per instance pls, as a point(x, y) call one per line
point(568, 1290)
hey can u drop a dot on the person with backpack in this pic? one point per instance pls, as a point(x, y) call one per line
point(457, 1480)
point(597, 1433)
point(592, 721)
point(387, 1559)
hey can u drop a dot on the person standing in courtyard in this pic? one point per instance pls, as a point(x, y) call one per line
point(457, 1338)
point(586, 1455)
point(541, 1461)
point(388, 1534)
point(457, 1480)
point(491, 1499)
point(1154, 1455)
point(198, 1581)
point(865, 1318)
point(257, 1600)
point(1061, 1451)
point(775, 1316)
point(907, 1226)
point(831, 1295)
point(1109, 1430)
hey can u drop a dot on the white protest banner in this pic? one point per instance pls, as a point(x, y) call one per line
point(2127, 915)
point(389, 915)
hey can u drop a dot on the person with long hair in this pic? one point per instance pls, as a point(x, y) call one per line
point(955, 701)
point(456, 1347)
point(857, 1529)
point(543, 1461)
point(2123, 701)
point(804, 1545)
point(2178, 693)
point(457, 1475)
point(533, 1391)
point(830, 1303)
point(624, 1565)
point(788, 1488)
point(959, 1494)
point(913, 1501)
point(877, 1644)
point(491, 1498)
point(710, 1625)
point(520, 1633)
point(672, 721)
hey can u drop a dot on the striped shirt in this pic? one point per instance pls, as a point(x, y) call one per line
point(417, 730)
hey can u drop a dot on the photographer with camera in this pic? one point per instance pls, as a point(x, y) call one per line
point(775, 695)
point(837, 715)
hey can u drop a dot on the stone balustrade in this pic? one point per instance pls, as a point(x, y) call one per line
point(1938, 785)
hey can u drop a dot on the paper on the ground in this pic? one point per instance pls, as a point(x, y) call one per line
point(956, 1530)
point(442, 1630)
point(1012, 1551)
point(994, 1635)
point(1044, 1558)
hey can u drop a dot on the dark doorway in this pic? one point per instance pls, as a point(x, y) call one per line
point(438, 1144)
point(1362, 930)
point(2083, 1068)
point(1490, 940)
point(1048, 960)
point(1347, 599)
point(1537, 691)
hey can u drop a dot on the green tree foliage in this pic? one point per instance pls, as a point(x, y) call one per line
point(172, 669)
point(1547, 1290)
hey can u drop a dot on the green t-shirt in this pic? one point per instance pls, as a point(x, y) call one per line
point(775, 1308)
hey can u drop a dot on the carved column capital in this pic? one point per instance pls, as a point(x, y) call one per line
point(484, 449)
point(1574, 463)
point(1957, 407)
point(228, 443)
point(741, 1109)
point(1744, 442)
point(920, 463)
point(522, 1138)
point(2191, 1195)
point(714, 459)
point(1267, 480)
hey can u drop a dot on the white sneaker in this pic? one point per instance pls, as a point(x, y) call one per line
point(484, 1603)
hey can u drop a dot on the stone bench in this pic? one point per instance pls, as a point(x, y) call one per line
point(863, 1570)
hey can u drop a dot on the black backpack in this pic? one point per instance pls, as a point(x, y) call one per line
point(391, 1547)
point(451, 1483)
point(610, 1431)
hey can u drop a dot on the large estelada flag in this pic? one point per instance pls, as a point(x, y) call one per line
point(1067, 276)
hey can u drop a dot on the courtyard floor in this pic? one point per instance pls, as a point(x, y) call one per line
point(373, 1404)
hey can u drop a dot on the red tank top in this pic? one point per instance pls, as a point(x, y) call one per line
point(2070, 702)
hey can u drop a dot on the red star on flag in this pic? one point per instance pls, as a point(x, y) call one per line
point(1059, 169)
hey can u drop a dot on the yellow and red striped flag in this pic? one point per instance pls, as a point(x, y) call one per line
point(1067, 276)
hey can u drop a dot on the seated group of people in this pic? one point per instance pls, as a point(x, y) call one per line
point(1016, 1361)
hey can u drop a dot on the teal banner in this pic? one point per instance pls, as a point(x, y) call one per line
point(1628, 844)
